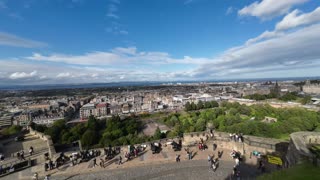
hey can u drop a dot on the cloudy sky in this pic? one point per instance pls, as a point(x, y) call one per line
point(85, 41)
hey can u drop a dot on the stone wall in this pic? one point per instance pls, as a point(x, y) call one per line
point(46, 138)
point(298, 151)
point(251, 143)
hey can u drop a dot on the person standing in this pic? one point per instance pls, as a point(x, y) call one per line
point(22, 155)
point(214, 146)
point(95, 162)
point(120, 160)
point(237, 162)
point(31, 150)
point(101, 162)
point(1, 157)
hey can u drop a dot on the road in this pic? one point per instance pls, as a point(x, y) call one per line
point(193, 169)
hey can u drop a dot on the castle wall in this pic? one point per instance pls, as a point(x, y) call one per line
point(311, 89)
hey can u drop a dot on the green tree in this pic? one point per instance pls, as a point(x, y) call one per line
point(187, 106)
point(214, 104)
point(193, 106)
point(207, 105)
point(88, 138)
point(306, 99)
point(157, 134)
point(92, 123)
point(200, 105)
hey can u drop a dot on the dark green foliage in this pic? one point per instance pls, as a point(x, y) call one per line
point(14, 129)
point(201, 105)
point(113, 131)
point(89, 138)
point(38, 127)
point(56, 130)
point(120, 132)
point(158, 134)
point(289, 96)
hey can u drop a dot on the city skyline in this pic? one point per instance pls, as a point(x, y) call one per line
point(81, 41)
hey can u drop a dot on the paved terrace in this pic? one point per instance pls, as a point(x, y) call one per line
point(11, 147)
point(150, 166)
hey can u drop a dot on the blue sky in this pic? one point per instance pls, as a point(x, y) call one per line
point(82, 41)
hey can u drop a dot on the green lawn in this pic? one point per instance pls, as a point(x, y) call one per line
point(302, 171)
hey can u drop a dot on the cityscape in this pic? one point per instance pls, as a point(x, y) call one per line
point(172, 89)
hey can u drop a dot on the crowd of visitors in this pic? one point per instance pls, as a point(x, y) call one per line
point(236, 137)
point(20, 155)
point(202, 146)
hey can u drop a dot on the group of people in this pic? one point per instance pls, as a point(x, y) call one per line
point(236, 137)
point(49, 165)
point(202, 146)
point(20, 155)
point(111, 152)
point(89, 154)
point(237, 157)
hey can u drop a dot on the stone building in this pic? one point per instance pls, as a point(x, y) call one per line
point(311, 88)
point(101, 109)
point(87, 110)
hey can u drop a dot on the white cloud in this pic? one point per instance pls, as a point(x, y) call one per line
point(23, 75)
point(63, 75)
point(296, 19)
point(264, 36)
point(267, 9)
point(118, 56)
point(296, 50)
point(7, 39)
point(57, 74)
point(292, 20)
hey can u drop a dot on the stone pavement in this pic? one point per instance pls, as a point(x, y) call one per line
point(11, 147)
point(149, 166)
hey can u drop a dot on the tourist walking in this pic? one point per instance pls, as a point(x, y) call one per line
point(214, 146)
point(101, 162)
point(178, 158)
point(120, 160)
point(31, 150)
point(190, 155)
